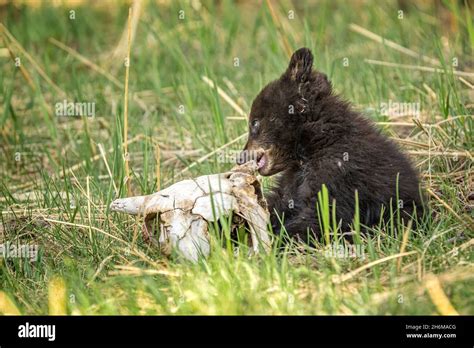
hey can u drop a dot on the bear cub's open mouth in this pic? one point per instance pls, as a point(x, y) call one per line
point(261, 160)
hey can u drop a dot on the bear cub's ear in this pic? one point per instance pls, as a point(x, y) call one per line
point(301, 62)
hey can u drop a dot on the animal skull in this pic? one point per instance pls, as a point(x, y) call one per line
point(184, 210)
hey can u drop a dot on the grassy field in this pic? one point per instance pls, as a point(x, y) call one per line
point(60, 173)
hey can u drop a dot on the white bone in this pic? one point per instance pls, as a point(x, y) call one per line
point(185, 209)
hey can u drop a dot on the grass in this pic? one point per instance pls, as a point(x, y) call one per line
point(57, 184)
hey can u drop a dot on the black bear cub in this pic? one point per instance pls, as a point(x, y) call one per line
point(300, 128)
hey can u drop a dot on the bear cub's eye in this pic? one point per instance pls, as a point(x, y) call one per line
point(255, 123)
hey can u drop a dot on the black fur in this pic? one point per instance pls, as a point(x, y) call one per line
point(299, 128)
